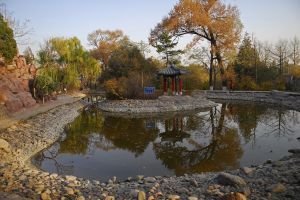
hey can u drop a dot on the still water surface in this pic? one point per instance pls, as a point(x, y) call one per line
point(231, 135)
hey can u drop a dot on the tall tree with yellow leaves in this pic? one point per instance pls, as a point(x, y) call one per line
point(104, 43)
point(209, 20)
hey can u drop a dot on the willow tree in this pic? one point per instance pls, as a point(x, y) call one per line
point(206, 20)
point(72, 60)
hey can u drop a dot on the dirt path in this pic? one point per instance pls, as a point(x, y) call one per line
point(39, 108)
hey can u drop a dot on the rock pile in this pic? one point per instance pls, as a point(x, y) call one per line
point(14, 87)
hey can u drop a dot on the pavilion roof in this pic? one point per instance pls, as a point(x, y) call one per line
point(171, 70)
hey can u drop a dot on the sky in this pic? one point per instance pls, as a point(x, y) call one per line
point(267, 20)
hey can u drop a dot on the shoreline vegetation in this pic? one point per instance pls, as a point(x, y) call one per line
point(271, 180)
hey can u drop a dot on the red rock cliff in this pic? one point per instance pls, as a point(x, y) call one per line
point(14, 85)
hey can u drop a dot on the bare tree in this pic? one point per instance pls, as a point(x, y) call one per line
point(280, 54)
point(143, 47)
point(295, 51)
point(21, 29)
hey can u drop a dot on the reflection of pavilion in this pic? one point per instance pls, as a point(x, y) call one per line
point(174, 130)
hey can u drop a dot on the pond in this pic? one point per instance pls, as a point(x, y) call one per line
point(231, 135)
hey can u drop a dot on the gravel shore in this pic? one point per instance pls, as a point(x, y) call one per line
point(161, 105)
point(20, 180)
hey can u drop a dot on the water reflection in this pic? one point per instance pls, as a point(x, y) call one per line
point(224, 137)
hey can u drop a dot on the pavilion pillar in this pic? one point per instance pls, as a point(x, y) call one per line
point(173, 85)
point(180, 86)
point(165, 86)
point(176, 85)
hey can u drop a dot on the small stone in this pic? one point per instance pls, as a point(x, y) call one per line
point(194, 182)
point(45, 196)
point(247, 170)
point(69, 191)
point(53, 175)
point(150, 179)
point(71, 178)
point(215, 192)
point(141, 195)
point(269, 161)
point(173, 197)
point(192, 198)
point(182, 190)
point(80, 198)
point(151, 198)
point(246, 191)
point(110, 198)
point(229, 179)
point(235, 196)
point(215, 186)
point(294, 151)
point(159, 194)
point(114, 179)
point(276, 188)
point(134, 193)
point(139, 177)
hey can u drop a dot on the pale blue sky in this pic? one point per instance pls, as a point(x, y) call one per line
point(268, 19)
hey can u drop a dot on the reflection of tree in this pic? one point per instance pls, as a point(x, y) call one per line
point(78, 132)
point(130, 134)
point(222, 152)
point(247, 116)
point(51, 155)
point(278, 122)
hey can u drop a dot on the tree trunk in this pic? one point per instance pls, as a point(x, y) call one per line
point(211, 70)
point(220, 61)
point(215, 76)
point(222, 71)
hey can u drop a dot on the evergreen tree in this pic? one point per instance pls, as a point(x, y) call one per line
point(247, 59)
point(8, 45)
point(165, 44)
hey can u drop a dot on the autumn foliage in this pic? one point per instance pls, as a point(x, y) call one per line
point(207, 20)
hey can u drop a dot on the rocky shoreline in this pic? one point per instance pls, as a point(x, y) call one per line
point(161, 105)
point(289, 100)
point(20, 180)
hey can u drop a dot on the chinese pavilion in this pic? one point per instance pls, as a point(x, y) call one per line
point(174, 73)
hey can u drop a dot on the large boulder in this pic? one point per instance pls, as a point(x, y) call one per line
point(229, 179)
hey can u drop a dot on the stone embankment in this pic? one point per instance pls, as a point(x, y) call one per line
point(161, 105)
point(286, 99)
point(24, 139)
